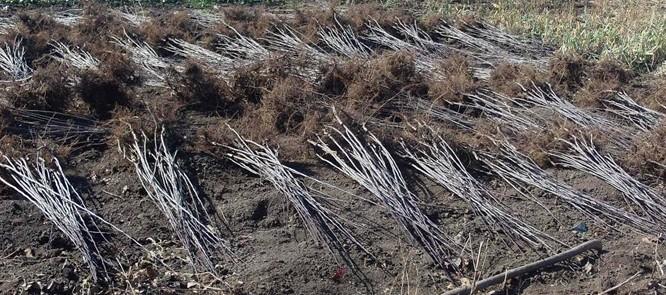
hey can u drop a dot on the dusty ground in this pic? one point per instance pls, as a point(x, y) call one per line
point(266, 101)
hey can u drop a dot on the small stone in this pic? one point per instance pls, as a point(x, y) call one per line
point(580, 228)
point(191, 285)
point(588, 267)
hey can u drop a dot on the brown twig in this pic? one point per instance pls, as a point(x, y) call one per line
point(466, 290)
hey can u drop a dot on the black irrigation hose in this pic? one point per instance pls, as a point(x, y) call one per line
point(518, 271)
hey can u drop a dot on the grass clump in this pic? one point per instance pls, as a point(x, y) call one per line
point(633, 32)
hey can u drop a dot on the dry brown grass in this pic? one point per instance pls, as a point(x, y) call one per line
point(285, 107)
point(386, 77)
point(337, 77)
point(170, 25)
point(35, 31)
point(357, 16)
point(203, 90)
point(47, 90)
point(508, 78)
point(537, 143)
point(458, 80)
point(567, 72)
point(251, 21)
point(309, 21)
point(648, 153)
point(653, 95)
point(97, 27)
point(601, 80)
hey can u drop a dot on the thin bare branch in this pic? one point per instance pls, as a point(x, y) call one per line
point(321, 223)
point(173, 193)
point(372, 166)
point(51, 192)
point(13, 63)
point(519, 171)
point(438, 161)
point(142, 54)
point(585, 157)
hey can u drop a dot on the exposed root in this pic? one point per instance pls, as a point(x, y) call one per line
point(434, 110)
point(287, 40)
point(63, 128)
point(206, 19)
point(372, 166)
point(547, 99)
point(215, 61)
point(380, 36)
point(486, 48)
point(510, 42)
point(423, 60)
point(7, 24)
point(509, 112)
point(242, 47)
point(69, 17)
point(77, 58)
point(134, 19)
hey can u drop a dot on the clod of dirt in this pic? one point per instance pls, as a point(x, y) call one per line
point(602, 80)
point(567, 72)
point(120, 68)
point(537, 144)
point(124, 122)
point(286, 105)
point(338, 76)
point(102, 93)
point(248, 83)
point(203, 91)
